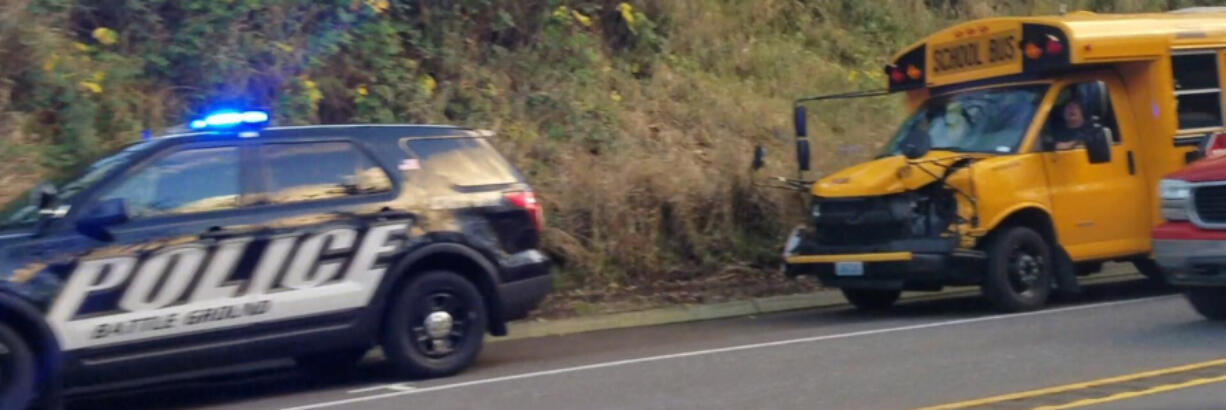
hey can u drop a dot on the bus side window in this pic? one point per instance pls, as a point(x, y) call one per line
point(1198, 93)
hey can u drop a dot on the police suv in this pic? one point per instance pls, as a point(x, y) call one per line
point(236, 242)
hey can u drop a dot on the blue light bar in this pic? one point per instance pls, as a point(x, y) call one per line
point(230, 119)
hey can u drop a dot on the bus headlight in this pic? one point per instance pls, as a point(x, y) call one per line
point(1176, 195)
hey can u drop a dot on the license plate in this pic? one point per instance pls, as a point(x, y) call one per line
point(983, 52)
point(849, 269)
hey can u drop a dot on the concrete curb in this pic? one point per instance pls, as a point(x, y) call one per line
point(756, 306)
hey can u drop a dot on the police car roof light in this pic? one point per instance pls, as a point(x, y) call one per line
point(230, 119)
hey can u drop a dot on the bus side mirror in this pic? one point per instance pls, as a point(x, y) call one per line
point(799, 121)
point(1098, 147)
point(802, 154)
point(759, 157)
point(802, 137)
point(915, 145)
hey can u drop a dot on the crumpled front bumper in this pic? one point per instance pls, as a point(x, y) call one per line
point(912, 264)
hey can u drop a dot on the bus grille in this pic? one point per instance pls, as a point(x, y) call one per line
point(1211, 203)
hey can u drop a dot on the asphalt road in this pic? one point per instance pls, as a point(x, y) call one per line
point(1154, 350)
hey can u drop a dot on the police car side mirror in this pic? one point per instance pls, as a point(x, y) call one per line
point(759, 157)
point(44, 195)
point(95, 221)
point(1098, 146)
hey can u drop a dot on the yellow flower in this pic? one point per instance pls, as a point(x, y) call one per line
point(560, 12)
point(105, 36)
point(429, 84)
point(616, 96)
point(91, 87)
point(312, 90)
point(582, 19)
point(378, 5)
point(362, 91)
point(82, 47)
point(51, 63)
point(627, 12)
point(852, 76)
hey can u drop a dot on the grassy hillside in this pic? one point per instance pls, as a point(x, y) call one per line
point(635, 120)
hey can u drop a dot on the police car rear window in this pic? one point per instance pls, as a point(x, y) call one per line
point(464, 162)
point(296, 172)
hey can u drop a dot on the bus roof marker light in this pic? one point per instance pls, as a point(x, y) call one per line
point(1054, 46)
point(1032, 51)
point(914, 72)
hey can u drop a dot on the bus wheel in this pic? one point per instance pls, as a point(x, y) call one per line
point(871, 299)
point(435, 326)
point(17, 370)
point(1019, 270)
point(1151, 270)
point(1209, 302)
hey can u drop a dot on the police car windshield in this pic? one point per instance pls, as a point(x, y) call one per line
point(987, 120)
point(20, 211)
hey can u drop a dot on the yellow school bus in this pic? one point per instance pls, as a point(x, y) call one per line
point(1031, 155)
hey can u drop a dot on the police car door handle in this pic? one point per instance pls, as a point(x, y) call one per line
point(217, 232)
point(391, 214)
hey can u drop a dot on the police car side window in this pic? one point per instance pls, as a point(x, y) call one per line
point(308, 171)
point(187, 181)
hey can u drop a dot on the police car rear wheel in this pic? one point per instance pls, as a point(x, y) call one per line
point(436, 326)
point(17, 370)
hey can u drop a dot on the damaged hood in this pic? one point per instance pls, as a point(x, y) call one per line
point(887, 175)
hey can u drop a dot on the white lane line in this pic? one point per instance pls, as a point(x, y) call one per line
point(403, 387)
point(720, 350)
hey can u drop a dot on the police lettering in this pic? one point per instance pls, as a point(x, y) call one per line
point(226, 313)
point(191, 273)
point(134, 326)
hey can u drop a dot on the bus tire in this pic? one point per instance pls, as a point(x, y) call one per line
point(435, 326)
point(1209, 302)
point(1019, 270)
point(18, 370)
point(1151, 270)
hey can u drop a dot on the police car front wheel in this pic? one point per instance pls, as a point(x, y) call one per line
point(436, 325)
point(17, 370)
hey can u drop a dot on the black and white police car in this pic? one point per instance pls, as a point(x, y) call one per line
point(236, 242)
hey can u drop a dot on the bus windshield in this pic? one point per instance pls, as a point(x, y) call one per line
point(986, 120)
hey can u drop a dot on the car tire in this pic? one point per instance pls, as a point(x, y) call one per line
point(1151, 270)
point(871, 299)
point(1209, 302)
point(435, 326)
point(331, 364)
point(18, 370)
point(1019, 270)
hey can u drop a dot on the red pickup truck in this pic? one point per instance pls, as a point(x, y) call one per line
point(1191, 245)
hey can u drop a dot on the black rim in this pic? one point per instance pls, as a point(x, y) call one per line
point(453, 339)
point(1026, 268)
